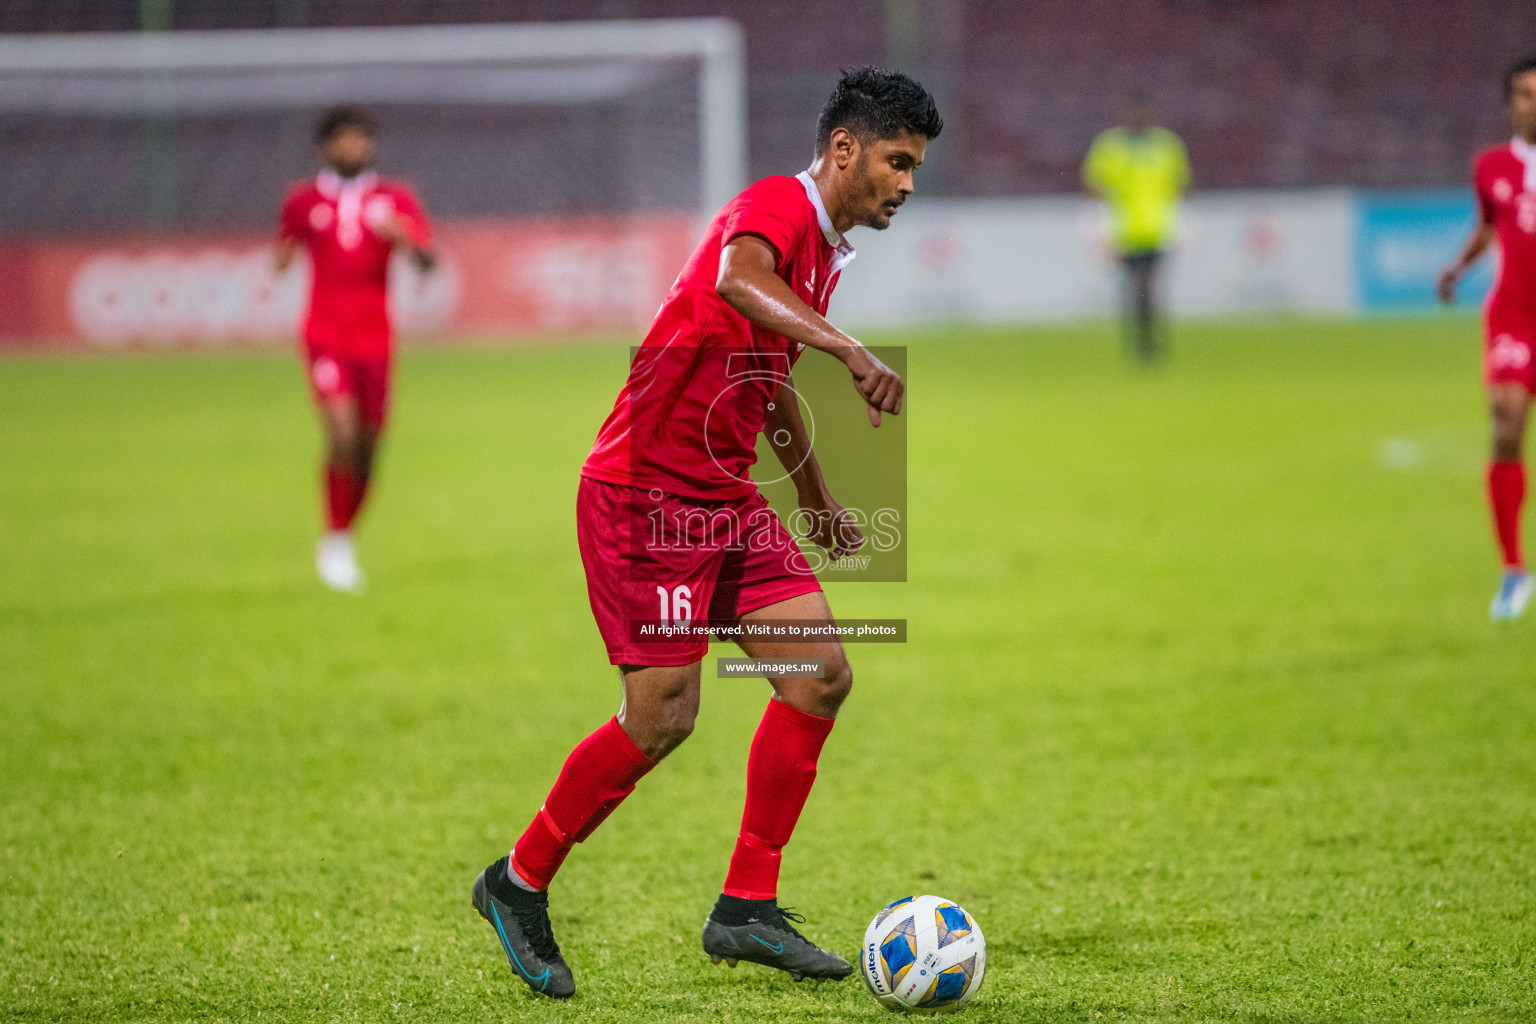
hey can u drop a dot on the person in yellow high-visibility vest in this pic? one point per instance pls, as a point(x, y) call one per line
point(1140, 170)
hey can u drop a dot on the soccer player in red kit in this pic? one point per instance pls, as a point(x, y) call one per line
point(672, 529)
point(351, 221)
point(1505, 181)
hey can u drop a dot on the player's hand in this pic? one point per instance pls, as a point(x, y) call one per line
point(394, 229)
point(833, 528)
point(1445, 285)
point(282, 256)
point(879, 385)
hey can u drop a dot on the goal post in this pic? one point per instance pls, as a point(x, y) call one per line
point(570, 167)
point(166, 73)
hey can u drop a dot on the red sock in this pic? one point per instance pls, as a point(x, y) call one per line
point(599, 774)
point(343, 496)
point(780, 770)
point(359, 492)
point(1506, 495)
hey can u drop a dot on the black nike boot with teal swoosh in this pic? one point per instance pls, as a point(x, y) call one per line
point(521, 920)
point(760, 932)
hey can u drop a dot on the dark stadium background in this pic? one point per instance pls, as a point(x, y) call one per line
point(1374, 93)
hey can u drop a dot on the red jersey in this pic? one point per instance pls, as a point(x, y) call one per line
point(335, 218)
point(1505, 179)
point(697, 396)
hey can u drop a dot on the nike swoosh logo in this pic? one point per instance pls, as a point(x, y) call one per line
point(775, 949)
point(542, 979)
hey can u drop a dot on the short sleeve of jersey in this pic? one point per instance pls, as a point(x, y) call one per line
point(293, 224)
point(409, 209)
point(1485, 205)
point(773, 210)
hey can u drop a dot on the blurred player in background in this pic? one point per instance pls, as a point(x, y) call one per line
point(1505, 181)
point(351, 221)
point(1140, 170)
point(713, 373)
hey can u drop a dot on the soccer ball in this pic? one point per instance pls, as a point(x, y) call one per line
point(923, 954)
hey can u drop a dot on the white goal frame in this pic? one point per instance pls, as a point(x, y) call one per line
point(135, 72)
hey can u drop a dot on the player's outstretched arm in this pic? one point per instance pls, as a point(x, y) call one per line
point(748, 284)
point(1476, 244)
point(283, 253)
point(398, 230)
point(834, 530)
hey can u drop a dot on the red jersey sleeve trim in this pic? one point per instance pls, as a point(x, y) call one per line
point(778, 253)
point(775, 210)
point(1486, 207)
point(410, 209)
point(293, 222)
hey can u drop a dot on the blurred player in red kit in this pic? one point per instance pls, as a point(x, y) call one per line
point(351, 221)
point(1505, 181)
point(713, 373)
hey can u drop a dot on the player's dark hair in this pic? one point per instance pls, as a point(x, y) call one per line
point(340, 119)
point(877, 103)
point(1518, 68)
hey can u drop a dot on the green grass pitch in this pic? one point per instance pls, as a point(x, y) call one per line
point(1201, 715)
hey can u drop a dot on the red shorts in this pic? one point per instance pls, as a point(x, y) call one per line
point(1509, 349)
point(364, 379)
point(658, 560)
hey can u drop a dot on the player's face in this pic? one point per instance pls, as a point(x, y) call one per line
point(883, 177)
point(1522, 105)
point(349, 152)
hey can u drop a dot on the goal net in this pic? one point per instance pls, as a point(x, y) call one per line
point(567, 166)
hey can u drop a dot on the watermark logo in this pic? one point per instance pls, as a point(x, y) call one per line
point(827, 490)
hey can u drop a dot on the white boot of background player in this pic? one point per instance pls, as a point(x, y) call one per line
point(337, 564)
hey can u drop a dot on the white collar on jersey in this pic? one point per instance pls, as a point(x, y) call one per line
point(1525, 152)
point(844, 248)
point(332, 185)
